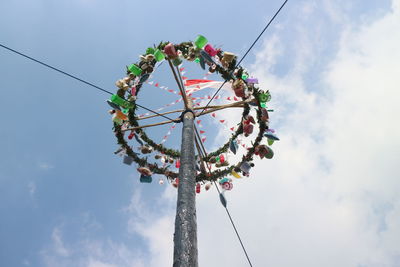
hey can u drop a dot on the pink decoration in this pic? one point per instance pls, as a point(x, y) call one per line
point(210, 50)
point(170, 50)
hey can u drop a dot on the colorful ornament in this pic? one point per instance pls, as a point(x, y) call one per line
point(170, 51)
point(121, 102)
point(233, 146)
point(159, 56)
point(145, 179)
point(175, 183)
point(198, 188)
point(248, 122)
point(134, 69)
point(235, 174)
point(238, 87)
point(226, 183)
point(144, 171)
point(245, 168)
point(210, 50)
point(128, 160)
point(200, 41)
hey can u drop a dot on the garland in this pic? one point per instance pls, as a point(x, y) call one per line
point(223, 63)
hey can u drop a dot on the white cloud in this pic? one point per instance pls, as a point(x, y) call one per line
point(45, 166)
point(330, 195)
point(31, 188)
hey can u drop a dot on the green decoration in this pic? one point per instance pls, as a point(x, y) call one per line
point(135, 69)
point(150, 51)
point(200, 41)
point(159, 55)
point(121, 102)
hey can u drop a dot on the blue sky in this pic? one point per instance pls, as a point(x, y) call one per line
point(328, 198)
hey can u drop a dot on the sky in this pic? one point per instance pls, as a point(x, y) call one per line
point(329, 197)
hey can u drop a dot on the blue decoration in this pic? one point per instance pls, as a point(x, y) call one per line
point(145, 179)
point(233, 146)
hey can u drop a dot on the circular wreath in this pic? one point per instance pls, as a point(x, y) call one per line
point(218, 61)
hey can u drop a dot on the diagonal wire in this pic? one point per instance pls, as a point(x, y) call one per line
point(204, 152)
point(75, 77)
point(56, 69)
point(248, 50)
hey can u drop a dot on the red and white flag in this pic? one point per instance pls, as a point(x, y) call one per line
point(199, 84)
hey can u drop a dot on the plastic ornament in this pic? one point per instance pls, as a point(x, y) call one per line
point(238, 87)
point(133, 91)
point(233, 146)
point(227, 58)
point(134, 69)
point(128, 160)
point(145, 171)
point(150, 51)
point(170, 50)
point(121, 102)
point(159, 56)
point(245, 168)
point(208, 186)
point(269, 133)
point(264, 115)
point(200, 41)
point(210, 50)
point(198, 188)
point(145, 179)
point(235, 174)
point(177, 164)
point(244, 76)
point(220, 158)
point(226, 184)
point(251, 81)
point(177, 61)
point(113, 105)
point(248, 122)
point(263, 98)
point(175, 183)
point(146, 149)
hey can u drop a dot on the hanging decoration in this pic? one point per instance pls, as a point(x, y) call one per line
point(245, 91)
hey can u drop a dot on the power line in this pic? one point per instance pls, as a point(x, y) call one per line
point(248, 50)
point(56, 69)
point(74, 77)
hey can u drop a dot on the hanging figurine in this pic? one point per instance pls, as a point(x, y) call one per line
point(122, 84)
point(248, 122)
